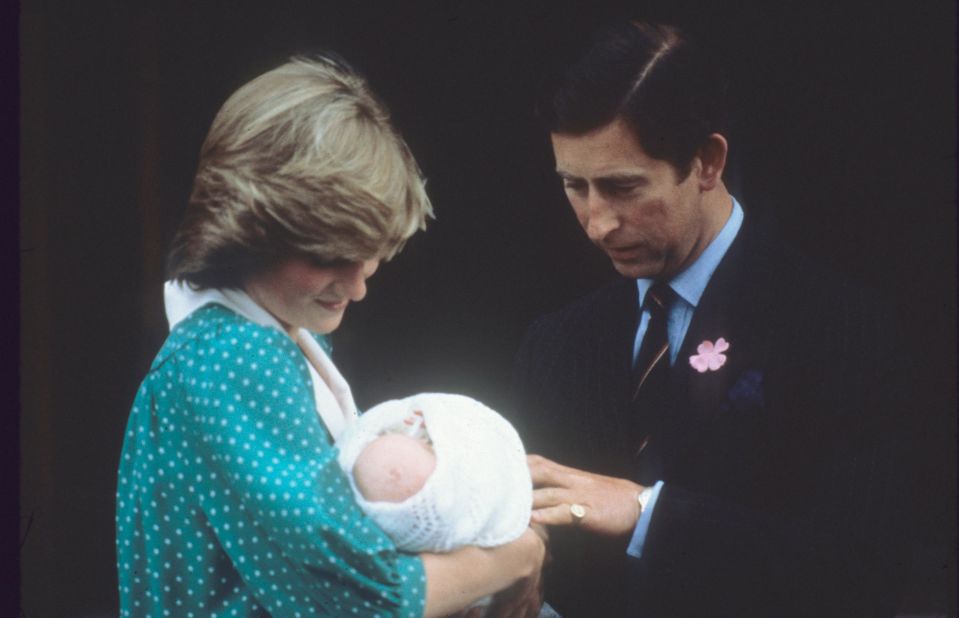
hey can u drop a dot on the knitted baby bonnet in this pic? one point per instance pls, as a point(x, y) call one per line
point(480, 492)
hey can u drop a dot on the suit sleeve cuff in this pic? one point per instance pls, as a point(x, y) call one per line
point(635, 547)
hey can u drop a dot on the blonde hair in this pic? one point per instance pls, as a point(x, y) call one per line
point(301, 161)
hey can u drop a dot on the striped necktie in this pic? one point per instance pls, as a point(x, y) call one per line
point(651, 371)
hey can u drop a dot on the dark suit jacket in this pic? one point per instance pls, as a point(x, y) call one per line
point(783, 470)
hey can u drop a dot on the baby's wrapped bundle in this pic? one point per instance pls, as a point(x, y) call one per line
point(479, 493)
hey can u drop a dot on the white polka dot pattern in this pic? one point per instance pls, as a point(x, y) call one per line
point(230, 501)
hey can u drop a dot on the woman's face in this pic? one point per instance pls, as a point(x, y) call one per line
point(300, 294)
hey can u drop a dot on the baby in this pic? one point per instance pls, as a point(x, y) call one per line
point(437, 472)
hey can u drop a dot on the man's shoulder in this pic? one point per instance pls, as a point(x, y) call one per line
point(611, 301)
point(795, 275)
point(810, 306)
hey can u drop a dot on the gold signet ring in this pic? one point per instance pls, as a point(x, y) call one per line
point(578, 511)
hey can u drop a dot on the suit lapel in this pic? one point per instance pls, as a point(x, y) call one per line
point(615, 348)
point(610, 357)
point(727, 309)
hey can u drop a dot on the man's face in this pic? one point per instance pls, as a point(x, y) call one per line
point(631, 205)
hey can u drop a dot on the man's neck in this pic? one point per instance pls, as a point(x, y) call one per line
point(719, 206)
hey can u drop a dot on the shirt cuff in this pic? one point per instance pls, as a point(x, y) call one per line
point(635, 548)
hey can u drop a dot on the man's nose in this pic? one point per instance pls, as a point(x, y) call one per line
point(602, 218)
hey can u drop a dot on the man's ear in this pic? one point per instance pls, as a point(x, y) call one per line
point(712, 154)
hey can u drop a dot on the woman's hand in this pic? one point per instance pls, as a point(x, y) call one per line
point(524, 598)
point(611, 504)
point(459, 578)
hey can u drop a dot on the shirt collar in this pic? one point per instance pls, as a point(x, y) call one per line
point(691, 283)
point(180, 300)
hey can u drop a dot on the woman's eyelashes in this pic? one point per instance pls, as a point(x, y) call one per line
point(322, 262)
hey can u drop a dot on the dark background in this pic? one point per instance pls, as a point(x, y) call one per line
point(845, 138)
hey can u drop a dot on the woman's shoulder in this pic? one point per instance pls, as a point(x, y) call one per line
point(213, 328)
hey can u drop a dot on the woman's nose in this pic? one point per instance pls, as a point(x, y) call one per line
point(354, 278)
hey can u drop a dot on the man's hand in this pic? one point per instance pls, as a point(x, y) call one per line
point(611, 504)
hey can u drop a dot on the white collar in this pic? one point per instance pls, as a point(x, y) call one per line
point(180, 300)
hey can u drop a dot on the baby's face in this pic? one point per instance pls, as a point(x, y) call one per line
point(393, 467)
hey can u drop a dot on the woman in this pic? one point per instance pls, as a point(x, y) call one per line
point(230, 500)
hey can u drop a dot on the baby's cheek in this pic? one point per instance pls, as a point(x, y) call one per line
point(422, 466)
point(393, 468)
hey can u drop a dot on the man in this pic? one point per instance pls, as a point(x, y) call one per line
point(726, 414)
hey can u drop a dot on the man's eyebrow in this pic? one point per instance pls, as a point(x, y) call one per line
point(608, 178)
point(623, 177)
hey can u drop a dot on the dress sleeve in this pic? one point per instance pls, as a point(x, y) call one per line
point(270, 487)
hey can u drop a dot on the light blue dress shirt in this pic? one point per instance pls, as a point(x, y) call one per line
point(688, 286)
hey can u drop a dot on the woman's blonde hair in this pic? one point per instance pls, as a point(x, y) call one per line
point(301, 161)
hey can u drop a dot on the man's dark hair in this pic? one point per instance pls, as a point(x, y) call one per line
point(654, 78)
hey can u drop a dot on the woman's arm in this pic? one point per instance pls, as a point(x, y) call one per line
point(457, 579)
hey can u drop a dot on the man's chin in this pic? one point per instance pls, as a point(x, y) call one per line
point(632, 270)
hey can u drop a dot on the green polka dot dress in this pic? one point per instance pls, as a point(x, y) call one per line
point(230, 501)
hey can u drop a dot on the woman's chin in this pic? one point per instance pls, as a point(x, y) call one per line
point(326, 325)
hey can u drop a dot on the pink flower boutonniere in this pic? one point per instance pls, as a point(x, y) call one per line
point(710, 356)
